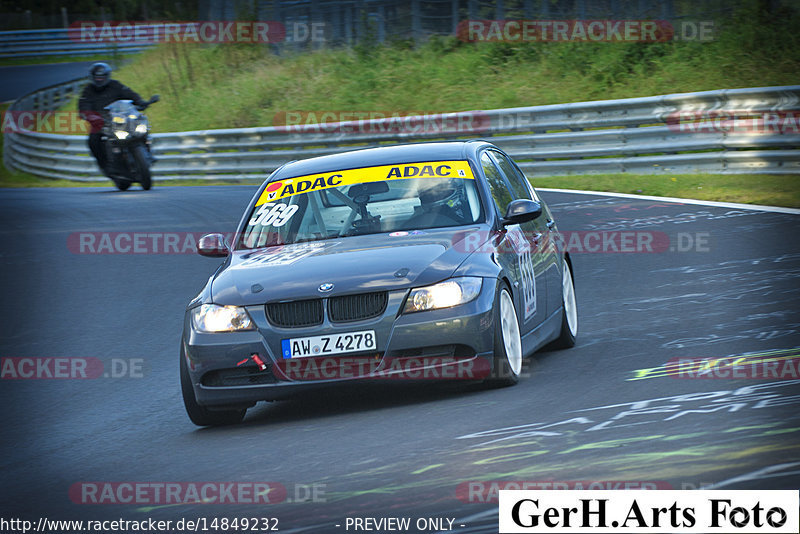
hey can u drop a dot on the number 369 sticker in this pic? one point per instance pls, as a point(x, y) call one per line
point(273, 214)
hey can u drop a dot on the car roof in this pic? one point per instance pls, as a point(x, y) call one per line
point(385, 155)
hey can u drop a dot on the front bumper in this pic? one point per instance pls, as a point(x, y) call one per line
point(447, 344)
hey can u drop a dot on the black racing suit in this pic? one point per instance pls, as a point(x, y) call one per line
point(93, 100)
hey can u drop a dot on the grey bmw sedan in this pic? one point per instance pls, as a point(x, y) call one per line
point(433, 261)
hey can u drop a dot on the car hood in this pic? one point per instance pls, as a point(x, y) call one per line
point(354, 264)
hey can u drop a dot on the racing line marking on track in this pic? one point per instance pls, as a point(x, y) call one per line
point(766, 472)
point(754, 207)
point(656, 411)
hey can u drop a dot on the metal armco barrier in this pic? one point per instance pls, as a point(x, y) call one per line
point(637, 135)
point(57, 42)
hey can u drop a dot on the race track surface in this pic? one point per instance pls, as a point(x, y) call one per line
point(19, 80)
point(605, 411)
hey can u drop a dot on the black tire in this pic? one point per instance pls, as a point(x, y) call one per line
point(141, 162)
point(566, 338)
point(503, 372)
point(122, 185)
point(200, 415)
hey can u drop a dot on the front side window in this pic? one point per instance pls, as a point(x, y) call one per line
point(497, 184)
point(516, 179)
point(369, 200)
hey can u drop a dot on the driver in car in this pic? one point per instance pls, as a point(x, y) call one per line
point(100, 92)
point(443, 202)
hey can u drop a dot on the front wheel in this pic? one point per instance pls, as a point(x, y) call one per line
point(141, 162)
point(122, 185)
point(200, 415)
point(569, 316)
point(507, 342)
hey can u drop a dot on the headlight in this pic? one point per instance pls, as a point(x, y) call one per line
point(444, 294)
point(121, 134)
point(213, 318)
point(141, 128)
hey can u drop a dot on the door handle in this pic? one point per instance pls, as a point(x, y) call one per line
point(550, 224)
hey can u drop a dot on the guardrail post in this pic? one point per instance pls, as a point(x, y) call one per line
point(416, 22)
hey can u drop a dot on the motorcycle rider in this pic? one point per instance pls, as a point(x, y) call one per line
point(100, 92)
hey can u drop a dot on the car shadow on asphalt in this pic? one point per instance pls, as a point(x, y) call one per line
point(358, 398)
point(368, 397)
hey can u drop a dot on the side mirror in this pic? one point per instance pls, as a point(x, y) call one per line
point(213, 246)
point(521, 210)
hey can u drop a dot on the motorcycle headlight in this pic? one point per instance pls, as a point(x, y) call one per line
point(444, 294)
point(141, 128)
point(121, 134)
point(214, 318)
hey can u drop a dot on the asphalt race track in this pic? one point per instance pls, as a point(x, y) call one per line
point(20, 80)
point(606, 411)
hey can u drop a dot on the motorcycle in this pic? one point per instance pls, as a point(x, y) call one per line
point(127, 144)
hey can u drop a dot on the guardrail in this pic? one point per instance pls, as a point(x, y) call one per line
point(638, 135)
point(61, 42)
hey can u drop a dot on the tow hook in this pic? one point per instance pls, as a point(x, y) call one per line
point(256, 359)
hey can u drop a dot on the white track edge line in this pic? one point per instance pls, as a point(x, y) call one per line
point(754, 207)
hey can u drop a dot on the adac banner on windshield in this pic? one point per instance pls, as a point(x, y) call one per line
point(317, 182)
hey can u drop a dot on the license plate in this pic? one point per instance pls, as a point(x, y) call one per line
point(303, 347)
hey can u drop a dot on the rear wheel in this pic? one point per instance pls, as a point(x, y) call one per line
point(142, 165)
point(569, 317)
point(507, 342)
point(200, 415)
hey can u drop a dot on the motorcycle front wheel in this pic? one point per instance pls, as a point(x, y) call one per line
point(142, 166)
point(122, 185)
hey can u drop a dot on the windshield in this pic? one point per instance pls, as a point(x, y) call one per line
point(369, 200)
point(121, 107)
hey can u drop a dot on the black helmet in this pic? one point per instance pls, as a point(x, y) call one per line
point(436, 193)
point(99, 74)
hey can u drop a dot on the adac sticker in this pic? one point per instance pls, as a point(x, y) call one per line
point(317, 182)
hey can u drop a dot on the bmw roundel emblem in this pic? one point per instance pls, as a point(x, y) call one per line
point(324, 288)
